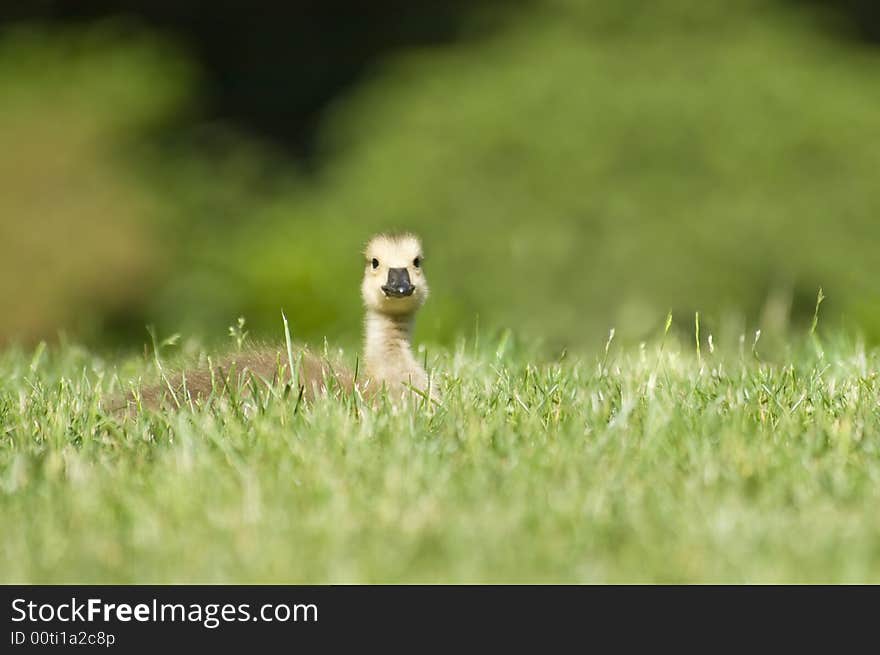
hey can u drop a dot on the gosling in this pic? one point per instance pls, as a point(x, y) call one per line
point(393, 289)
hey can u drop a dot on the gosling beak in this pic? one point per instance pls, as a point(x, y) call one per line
point(398, 284)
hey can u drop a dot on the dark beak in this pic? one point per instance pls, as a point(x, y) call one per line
point(398, 285)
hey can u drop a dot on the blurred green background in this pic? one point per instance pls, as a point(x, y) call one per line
point(572, 165)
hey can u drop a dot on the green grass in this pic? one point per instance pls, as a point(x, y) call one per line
point(642, 464)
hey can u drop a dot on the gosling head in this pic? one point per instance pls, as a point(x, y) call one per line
point(394, 279)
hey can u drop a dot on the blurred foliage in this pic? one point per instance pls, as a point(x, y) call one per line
point(859, 18)
point(76, 225)
point(276, 67)
point(592, 164)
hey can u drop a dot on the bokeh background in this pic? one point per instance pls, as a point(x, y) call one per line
point(573, 165)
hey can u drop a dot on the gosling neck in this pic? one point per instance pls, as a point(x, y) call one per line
point(388, 354)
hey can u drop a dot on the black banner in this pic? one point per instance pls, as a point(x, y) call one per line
point(140, 618)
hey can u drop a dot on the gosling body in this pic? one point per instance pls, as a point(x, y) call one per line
point(393, 289)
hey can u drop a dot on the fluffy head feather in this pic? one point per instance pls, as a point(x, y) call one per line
point(393, 251)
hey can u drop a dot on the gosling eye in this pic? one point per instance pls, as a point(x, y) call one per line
point(375, 263)
point(417, 262)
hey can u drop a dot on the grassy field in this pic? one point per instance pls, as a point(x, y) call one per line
point(657, 463)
